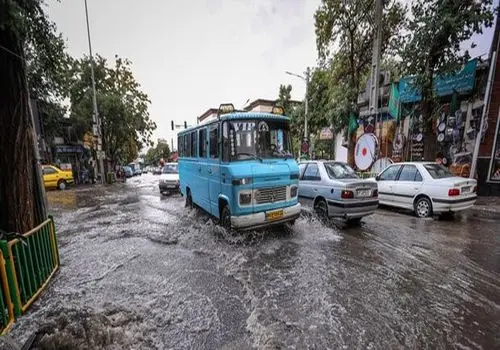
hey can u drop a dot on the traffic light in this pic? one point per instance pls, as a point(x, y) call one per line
point(185, 125)
point(172, 125)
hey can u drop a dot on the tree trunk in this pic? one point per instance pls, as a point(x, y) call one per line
point(19, 210)
point(350, 149)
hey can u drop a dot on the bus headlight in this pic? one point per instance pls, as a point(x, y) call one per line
point(243, 181)
point(245, 198)
point(293, 191)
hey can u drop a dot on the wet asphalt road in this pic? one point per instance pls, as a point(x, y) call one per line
point(140, 271)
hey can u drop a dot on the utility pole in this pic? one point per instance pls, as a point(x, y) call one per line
point(95, 116)
point(484, 116)
point(375, 69)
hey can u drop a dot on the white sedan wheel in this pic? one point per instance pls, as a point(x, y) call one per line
point(423, 208)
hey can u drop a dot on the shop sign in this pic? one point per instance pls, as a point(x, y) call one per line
point(461, 82)
point(326, 134)
point(69, 149)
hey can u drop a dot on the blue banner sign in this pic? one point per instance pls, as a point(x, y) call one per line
point(461, 82)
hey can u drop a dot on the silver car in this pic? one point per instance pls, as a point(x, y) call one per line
point(332, 189)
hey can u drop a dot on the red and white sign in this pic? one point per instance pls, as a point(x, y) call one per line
point(365, 151)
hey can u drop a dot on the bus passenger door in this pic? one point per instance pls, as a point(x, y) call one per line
point(213, 169)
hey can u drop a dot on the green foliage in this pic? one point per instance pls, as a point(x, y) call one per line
point(154, 154)
point(294, 112)
point(436, 30)
point(347, 26)
point(52, 116)
point(46, 61)
point(122, 105)
point(319, 114)
point(284, 97)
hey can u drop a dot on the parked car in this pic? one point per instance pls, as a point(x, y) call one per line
point(136, 168)
point(53, 177)
point(425, 188)
point(332, 189)
point(169, 179)
point(128, 171)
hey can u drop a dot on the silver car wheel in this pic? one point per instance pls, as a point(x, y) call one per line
point(423, 208)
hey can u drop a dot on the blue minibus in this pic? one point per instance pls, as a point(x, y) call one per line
point(240, 168)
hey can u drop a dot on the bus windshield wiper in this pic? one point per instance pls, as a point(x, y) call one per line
point(250, 155)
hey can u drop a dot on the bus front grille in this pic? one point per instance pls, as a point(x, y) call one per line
point(270, 195)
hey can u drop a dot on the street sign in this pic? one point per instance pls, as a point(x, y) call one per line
point(305, 146)
point(326, 134)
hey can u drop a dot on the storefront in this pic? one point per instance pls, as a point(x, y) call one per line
point(398, 131)
point(72, 157)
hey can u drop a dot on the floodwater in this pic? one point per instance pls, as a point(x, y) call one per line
point(139, 271)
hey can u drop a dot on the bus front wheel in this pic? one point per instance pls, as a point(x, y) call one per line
point(225, 218)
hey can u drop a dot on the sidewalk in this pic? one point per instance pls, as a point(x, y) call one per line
point(488, 207)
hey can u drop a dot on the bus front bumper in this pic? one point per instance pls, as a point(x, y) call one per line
point(259, 220)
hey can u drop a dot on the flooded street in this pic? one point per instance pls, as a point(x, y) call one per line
point(140, 271)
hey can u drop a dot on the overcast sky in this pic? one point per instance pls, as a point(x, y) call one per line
point(193, 55)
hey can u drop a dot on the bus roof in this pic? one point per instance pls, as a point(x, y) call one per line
point(239, 116)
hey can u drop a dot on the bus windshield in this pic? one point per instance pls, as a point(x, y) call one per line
point(257, 139)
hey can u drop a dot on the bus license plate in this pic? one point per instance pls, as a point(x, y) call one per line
point(274, 215)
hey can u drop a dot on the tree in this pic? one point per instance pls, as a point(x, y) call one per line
point(46, 67)
point(123, 106)
point(295, 112)
point(436, 31)
point(154, 154)
point(24, 30)
point(284, 96)
point(347, 26)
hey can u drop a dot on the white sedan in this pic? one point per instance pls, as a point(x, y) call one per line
point(169, 179)
point(425, 188)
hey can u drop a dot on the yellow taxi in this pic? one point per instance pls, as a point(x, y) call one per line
point(53, 177)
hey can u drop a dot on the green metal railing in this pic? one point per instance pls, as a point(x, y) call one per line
point(6, 306)
point(30, 264)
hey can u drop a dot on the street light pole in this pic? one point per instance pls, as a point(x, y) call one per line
point(95, 117)
point(306, 135)
point(306, 104)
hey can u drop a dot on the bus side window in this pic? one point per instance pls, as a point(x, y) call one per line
point(225, 142)
point(194, 144)
point(187, 144)
point(202, 143)
point(214, 138)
